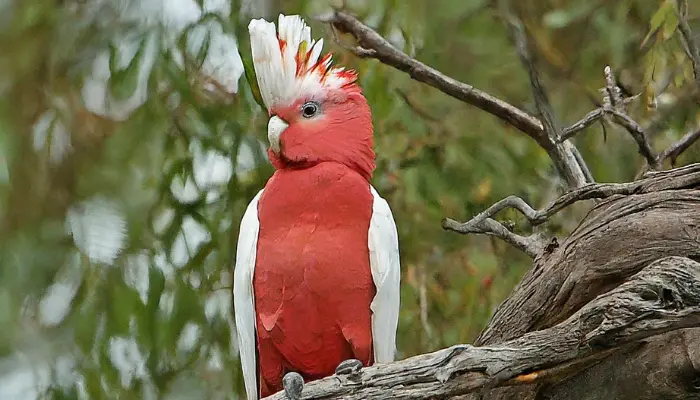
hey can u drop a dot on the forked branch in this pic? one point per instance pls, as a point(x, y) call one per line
point(532, 245)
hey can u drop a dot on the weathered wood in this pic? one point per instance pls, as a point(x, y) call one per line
point(621, 235)
point(664, 296)
point(618, 238)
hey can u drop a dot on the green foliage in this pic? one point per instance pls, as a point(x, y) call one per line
point(120, 213)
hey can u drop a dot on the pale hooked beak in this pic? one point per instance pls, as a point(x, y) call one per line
point(275, 127)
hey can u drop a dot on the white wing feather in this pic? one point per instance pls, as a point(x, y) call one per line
point(383, 244)
point(243, 301)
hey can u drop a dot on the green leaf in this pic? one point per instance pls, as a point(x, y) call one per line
point(93, 385)
point(658, 19)
point(123, 303)
point(123, 82)
point(250, 78)
point(670, 25)
point(187, 307)
point(661, 14)
point(85, 327)
point(156, 285)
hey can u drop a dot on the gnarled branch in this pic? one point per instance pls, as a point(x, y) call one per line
point(532, 245)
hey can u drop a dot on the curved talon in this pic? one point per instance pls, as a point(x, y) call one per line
point(293, 384)
point(349, 367)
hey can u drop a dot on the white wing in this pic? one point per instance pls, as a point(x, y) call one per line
point(243, 301)
point(386, 273)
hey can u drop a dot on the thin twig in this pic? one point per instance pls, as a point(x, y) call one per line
point(582, 163)
point(653, 181)
point(584, 123)
point(678, 147)
point(590, 118)
point(538, 217)
point(614, 106)
point(562, 155)
point(483, 223)
point(418, 109)
point(544, 107)
point(637, 133)
point(613, 93)
point(531, 245)
point(691, 47)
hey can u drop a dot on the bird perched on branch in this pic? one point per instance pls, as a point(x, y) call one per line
point(317, 275)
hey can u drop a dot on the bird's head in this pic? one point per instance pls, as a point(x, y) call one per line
point(317, 111)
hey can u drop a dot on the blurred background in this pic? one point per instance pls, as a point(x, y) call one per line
point(130, 145)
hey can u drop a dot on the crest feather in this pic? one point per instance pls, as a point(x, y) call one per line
point(288, 63)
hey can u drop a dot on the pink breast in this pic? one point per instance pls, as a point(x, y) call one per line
point(312, 282)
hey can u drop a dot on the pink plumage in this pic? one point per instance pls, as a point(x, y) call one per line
point(317, 266)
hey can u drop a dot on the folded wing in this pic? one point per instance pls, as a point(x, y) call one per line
point(243, 301)
point(384, 261)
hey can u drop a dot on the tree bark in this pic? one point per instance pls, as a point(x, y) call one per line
point(617, 239)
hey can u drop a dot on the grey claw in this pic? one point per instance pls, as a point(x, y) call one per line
point(293, 384)
point(349, 367)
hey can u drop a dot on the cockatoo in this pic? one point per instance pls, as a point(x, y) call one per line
point(316, 279)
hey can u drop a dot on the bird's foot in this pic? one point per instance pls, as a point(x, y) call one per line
point(293, 384)
point(349, 367)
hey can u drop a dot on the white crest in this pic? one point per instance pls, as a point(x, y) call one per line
point(287, 62)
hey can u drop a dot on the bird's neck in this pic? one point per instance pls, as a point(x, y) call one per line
point(360, 160)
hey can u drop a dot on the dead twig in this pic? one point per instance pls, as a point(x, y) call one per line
point(483, 223)
point(588, 120)
point(373, 45)
point(678, 147)
point(638, 135)
point(531, 245)
point(614, 107)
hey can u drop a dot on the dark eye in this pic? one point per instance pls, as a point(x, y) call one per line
point(309, 109)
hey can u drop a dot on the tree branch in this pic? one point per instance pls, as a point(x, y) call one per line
point(662, 297)
point(638, 135)
point(614, 105)
point(373, 45)
point(532, 245)
point(584, 123)
point(692, 48)
point(562, 155)
point(678, 147)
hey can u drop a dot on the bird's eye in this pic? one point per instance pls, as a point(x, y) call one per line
point(309, 109)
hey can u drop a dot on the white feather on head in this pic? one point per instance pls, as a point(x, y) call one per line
point(287, 62)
